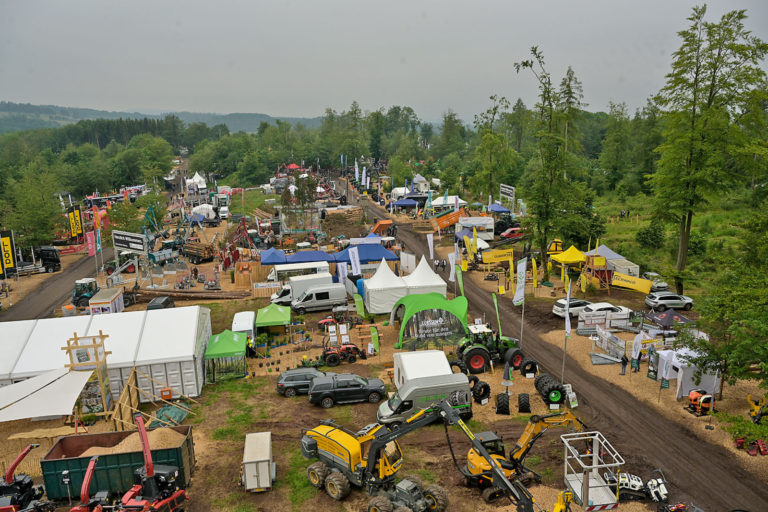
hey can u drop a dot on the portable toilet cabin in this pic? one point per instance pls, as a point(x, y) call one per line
point(107, 300)
point(258, 468)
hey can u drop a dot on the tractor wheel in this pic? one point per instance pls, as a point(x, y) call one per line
point(374, 398)
point(436, 498)
point(458, 363)
point(477, 360)
point(473, 380)
point(554, 393)
point(416, 480)
point(513, 356)
point(492, 494)
point(327, 402)
point(332, 360)
point(337, 486)
point(290, 392)
point(502, 403)
point(481, 391)
point(523, 402)
point(380, 504)
point(83, 302)
point(528, 366)
point(316, 474)
point(403, 509)
point(351, 358)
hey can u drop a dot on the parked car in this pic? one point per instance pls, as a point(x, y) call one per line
point(298, 381)
point(575, 307)
point(662, 301)
point(161, 303)
point(513, 234)
point(605, 306)
point(224, 212)
point(345, 388)
point(659, 285)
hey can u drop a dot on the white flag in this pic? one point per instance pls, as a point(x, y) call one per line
point(458, 252)
point(342, 271)
point(667, 367)
point(637, 345)
point(368, 183)
point(357, 172)
point(490, 201)
point(568, 312)
point(452, 261)
point(519, 297)
point(431, 241)
point(364, 177)
point(456, 203)
point(354, 259)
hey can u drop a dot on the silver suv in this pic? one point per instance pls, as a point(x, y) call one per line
point(661, 301)
point(659, 285)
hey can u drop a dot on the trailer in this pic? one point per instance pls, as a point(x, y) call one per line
point(107, 300)
point(419, 364)
point(115, 471)
point(258, 472)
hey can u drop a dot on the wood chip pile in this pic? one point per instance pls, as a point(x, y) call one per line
point(158, 439)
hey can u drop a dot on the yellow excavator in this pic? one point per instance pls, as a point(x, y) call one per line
point(478, 470)
point(757, 409)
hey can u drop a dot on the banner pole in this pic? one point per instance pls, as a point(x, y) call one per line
point(522, 323)
point(565, 350)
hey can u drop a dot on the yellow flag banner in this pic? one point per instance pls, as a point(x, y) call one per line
point(474, 239)
point(469, 246)
point(497, 255)
point(631, 282)
point(535, 273)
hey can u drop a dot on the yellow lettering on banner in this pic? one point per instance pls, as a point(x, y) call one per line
point(631, 282)
point(72, 225)
point(501, 290)
point(78, 222)
point(497, 255)
point(7, 252)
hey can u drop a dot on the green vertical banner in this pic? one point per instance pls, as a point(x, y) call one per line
point(460, 279)
point(375, 339)
point(496, 305)
point(359, 304)
point(664, 383)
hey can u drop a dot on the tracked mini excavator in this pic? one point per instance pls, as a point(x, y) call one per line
point(478, 470)
point(17, 492)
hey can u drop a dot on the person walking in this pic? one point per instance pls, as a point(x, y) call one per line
point(624, 361)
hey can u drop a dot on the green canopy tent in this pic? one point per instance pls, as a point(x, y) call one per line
point(273, 315)
point(429, 319)
point(225, 356)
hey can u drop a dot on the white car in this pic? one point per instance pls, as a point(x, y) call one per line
point(576, 306)
point(224, 212)
point(598, 307)
point(662, 301)
point(659, 285)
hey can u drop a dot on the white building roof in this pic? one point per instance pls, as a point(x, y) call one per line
point(424, 280)
point(12, 341)
point(43, 350)
point(124, 335)
point(169, 335)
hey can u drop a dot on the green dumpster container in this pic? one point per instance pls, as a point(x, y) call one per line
point(114, 472)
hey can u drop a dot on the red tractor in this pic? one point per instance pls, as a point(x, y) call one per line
point(154, 486)
point(700, 402)
point(349, 352)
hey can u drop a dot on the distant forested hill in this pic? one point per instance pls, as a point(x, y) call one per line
point(24, 116)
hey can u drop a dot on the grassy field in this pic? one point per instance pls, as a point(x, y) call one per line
point(253, 199)
point(716, 229)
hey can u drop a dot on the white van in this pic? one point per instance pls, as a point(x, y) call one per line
point(319, 298)
point(224, 212)
point(244, 321)
point(298, 285)
point(422, 392)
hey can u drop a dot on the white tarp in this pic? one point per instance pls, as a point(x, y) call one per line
point(684, 372)
point(441, 202)
point(206, 210)
point(383, 290)
point(52, 394)
point(42, 351)
point(424, 280)
point(169, 335)
point(199, 180)
point(12, 342)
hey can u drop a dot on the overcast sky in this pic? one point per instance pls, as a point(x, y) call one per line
point(296, 58)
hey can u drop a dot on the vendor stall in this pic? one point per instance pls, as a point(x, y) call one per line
point(225, 356)
point(383, 290)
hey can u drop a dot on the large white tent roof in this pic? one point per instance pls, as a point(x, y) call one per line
point(441, 201)
point(124, 334)
point(53, 393)
point(15, 335)
point(169, 335)
point(384, 279)
point(383, 290)
point(43, 350)
point(424, 280)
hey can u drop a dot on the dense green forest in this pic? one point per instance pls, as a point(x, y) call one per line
point(699, 145)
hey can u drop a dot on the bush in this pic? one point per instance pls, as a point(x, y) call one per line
point(697, 245)
point(651, 236)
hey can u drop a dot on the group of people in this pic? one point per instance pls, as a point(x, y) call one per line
point(624, 213)
point(625, 361)
point(440, 265)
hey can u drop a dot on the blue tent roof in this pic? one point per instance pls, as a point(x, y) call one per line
point(368, 253)
point(272, 256)
point(309, 256)
point(405, 202)
point(372, 235)
point(497, 208)
point(196, 217)
point(461, 234)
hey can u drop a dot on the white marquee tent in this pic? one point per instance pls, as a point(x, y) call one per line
point(424, 280)
point(167, 345)
point(383, 290)
point(440, 202)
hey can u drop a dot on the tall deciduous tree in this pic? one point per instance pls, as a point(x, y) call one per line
point(713, 73)
point(614, 159)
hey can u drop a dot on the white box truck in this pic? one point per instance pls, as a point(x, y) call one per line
point(258, 468)
point(107, 300)
point(420, 363)
point(244, 321)
point(318, 298)
point(299, 284)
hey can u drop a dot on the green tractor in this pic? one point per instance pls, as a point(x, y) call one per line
point(483, 346)
point(84, 290)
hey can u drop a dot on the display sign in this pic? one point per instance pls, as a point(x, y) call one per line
point(496, 255)
point(507, 193)
point(130, 241)
point(631, 282)
point(432, 327)
point(8, 261)
point(75, 221)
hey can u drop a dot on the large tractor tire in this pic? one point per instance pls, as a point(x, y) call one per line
point(502, 403)
point(316, 474)
point(337, 486)
point(473, 380)
point(380, 504)
point(481, 391)
point(477, 360)
point(523, 403)
point(458, 364)
point(437, 498)
point(529, 366)
point(416, 480)
point(554, 393)
point(83, 302)
point(332, 360)
point(514, 356)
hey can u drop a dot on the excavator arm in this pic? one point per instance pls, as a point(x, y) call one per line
point(536, 427)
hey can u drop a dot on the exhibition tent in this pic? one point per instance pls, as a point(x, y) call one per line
point(383, 290)
point(405, 203)
point(368, 253)
point(441, 201)
point(273, 315)
point(309, 257)
point(273, 256)
point(424, 280)
point(42, 350)
point(419, 314)
point(615, 261)
point(225, 355)
point(570, 257)
point(497, 208)
point(15, 335)
point(605, 252)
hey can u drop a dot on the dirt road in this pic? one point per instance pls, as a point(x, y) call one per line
point(42, 302)
point(698, 471)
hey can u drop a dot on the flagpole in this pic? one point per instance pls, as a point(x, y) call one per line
point(565, 350)
point(522, 323)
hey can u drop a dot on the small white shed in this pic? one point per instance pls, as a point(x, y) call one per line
point(244, 321)
point(258, 468)
point(418, 364)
